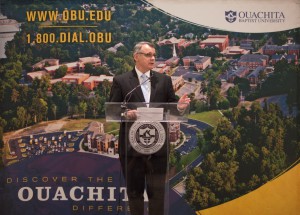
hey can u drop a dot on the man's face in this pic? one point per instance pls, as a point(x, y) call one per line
point(145, 58)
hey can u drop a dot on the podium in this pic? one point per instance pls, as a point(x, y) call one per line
point(144, 149)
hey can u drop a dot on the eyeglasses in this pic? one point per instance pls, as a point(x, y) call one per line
point(148, 55)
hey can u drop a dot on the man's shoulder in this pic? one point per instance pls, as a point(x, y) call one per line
point(124, 75)
point(160, 75)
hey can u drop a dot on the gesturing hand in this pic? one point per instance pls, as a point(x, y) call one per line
point(183, 102)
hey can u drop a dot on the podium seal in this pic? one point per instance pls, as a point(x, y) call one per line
point(147, 137)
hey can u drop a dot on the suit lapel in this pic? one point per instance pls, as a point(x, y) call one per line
point(153, 86)
point(134, 81)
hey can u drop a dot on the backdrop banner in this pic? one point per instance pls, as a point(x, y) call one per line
point(237, 60)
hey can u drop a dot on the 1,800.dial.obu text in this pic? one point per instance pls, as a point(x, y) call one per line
point(70, 37)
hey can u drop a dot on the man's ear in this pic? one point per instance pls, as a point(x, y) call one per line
point(135, 57)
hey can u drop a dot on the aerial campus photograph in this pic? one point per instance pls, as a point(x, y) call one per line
point(240, 139)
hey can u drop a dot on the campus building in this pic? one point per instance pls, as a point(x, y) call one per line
point(241, 72)
point(174, 132)
point(231, 51)
point(288, 57)
point(219, 41)
point(93, 81)
point(100, 142)
point(252, 61)
point(77, 78)
point(199, 62)
point(177, 82)
point(33, 75)
point(285, 49)
point(253, 77)
point(95, 61)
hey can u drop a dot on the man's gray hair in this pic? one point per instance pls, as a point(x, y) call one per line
point(137, 48)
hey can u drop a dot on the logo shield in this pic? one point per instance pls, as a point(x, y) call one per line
point(230, 16)
point(147, 136)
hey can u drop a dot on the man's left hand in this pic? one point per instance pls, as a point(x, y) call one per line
point(183, 102)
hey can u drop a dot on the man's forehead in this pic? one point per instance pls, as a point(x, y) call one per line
point(147, 48)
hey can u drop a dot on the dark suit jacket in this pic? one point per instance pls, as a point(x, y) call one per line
point(161, 92)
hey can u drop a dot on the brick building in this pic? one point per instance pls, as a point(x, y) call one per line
point(253, 60)
point(173, 61)
point(174, 132)
point(241, 72)
point(177, 82)
point(45, 63)
point(93, 81)
point(100, 142)
point(219, 41)
point(253, 77)
point(199, 62)
point(95, 61)
point(289, 49)
point(288, 57)
point(162, 68)
point(76, 78)
point(38, 74)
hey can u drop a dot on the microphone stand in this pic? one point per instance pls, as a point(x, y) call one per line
point(129, 94)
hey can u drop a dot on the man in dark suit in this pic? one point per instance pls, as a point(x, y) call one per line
point(143, 171)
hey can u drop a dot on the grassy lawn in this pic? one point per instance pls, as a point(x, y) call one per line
point(80, 124)
point(187, 159)
point(209, 117)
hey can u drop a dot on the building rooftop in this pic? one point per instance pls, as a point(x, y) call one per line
point(240, 71)
point(72, 64)
point(188, 88)
point(37, 74)
point(256, 72)
point(54, 81)
point(171, 40)
point(89, 59)
point(213, 40)
point(188, 74)
point(193, 58)
point(253, 58)
point(42, 63)
point(76, 75)
point(100, 78)
point(52, 68)
point(282, 48)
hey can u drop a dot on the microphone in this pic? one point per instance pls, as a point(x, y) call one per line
point(129, 94)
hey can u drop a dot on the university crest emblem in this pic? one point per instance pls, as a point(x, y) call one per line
point(147, 138)
point(230, 16)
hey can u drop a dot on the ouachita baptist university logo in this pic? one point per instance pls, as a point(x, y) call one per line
point(147, 138)
point(230, 16)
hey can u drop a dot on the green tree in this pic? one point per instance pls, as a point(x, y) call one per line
point(83, 108)
point(200, 106)
point(89, 68)
point(15, 95)
point(243, 84)
point(224, 104)
point(200, 141)
point(22, 116)
point(39, 109)
point(93, 106)
point(233, 96)
point(61, 71)
point(279, 38)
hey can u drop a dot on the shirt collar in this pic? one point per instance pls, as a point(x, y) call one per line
point(139, 73)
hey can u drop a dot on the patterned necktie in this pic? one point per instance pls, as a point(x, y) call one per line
point(145, 87)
